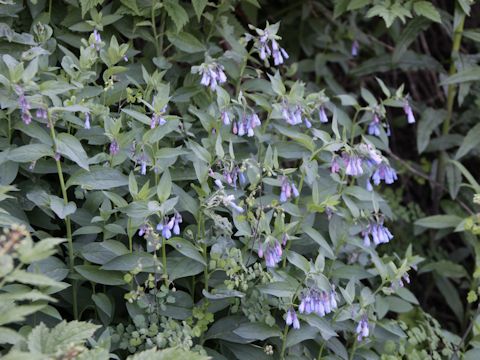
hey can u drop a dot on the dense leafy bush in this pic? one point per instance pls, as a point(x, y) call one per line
point(230, 179)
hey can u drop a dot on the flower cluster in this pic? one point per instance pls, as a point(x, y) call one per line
point(386, 173)
point(362, 329)
point(374, 126)
point(378, 232)
point(167, 226)
point(318, 302)
point(293, 115)
point(272, 251)
point(41, 113)
point(267, 45)
point(24, 106)
point(353, 164)
point(114, 148)
point(212, 74)
point(246, 125)
point(292, 319)
point(288, 190)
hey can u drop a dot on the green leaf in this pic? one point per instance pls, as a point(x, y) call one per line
point(426, 9)
point(86, 5)
point(470, 142)
point(177, 13)
point(199, 6)
point(9, 336)
point(164, 188)
point(98, 178)
point(138, 116)
point(102, 252)
point(278, 289)
point(471, 74)
point(439, 221)
point(69, 146)
point(29, 153)
point(168, 354)
point(299, 261)
point(429, 121)
point(63, 336)
point(409, 35)
point(132, 261)
point(186, 42)
point(186, 248)
point(257, 331)
point(320, 240)
point(95, 274)
point(61, 209)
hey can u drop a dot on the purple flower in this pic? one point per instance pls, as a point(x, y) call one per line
point(378, 232)
point(157, 119)
point(362, 329)
point(241, 177)
point(374, 126)
point(177, 220)
point(247, 124)
point(41, 113)
point(292, 319)
point(273, 254)
point(334, 165)
point(355, 48)
point(230, 202)
point(225, 118)
point(143, 164)
point(318, 302)
point(57, 156)
point(408, 111)
point(87, 121)
point(24, 106)
point(143, 230)
point(212, 75)
point(373, 155)
point(353, 165)
point(125, 58)
point(97, 40)
point(287, 190)
point(114, 148)
point(385, 173)
point(322, 115)
point(32, 165)
point(267, 46)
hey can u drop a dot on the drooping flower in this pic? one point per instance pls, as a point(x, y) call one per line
point(143, 230)
point(353, 165)
point(322, 115)
point(166, 227)
point(247, 124)
point(409, 112)
point(24, 106)
point(212, 74)
point(355, 48)
point(287, 190)
point(292, 319)
point(87, 121)
point(378, 233)
point(225, 118)
point(386, 173)
point(273, 253)
point(292, 115)
point(41, 113)
point(97, 40)
point(318, 302)
point(267, 45)
point(143, 163)
point(114, 148)
point(177, 220)
point(334, 165)
point(373, 156)
point(374, 126)
point(158, 119)
point(362, 329)
point(229, 201)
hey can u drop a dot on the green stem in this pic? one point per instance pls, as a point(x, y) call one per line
point(451, 92)
point(154, 30)
point(130, 236)
point(9, 129)
point(201, 235)
point(354, 348)
point(284, 342)
point(68, 224)
point(49, 10)
point(164, 260)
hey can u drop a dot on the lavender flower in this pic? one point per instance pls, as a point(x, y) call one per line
point(362, 329)
point(241, 177)
point(318, 302)
point(41, 113)
point(229, 201)
point(273, 254)
point(267, 46)
point(373, 155)
point(379, 233)
point(288, 190)
point(212, 74)
point(143, 230)
point(114, 148)
point(158, 119)
point(32, 165)
point(225, 118)
point(355, 48)
point(292, 319)
point(374, 126)
point(292, 116)
point(143, 164)
point(353, 165)
point(97, 40)
point(322, 115)
point(166, 226)
point(24, 106)
point(177, 220)
point(219, 183)
point(246, 125)
point(385, 173)
point(87, 121)
point(334, 165)
point(408, 111)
